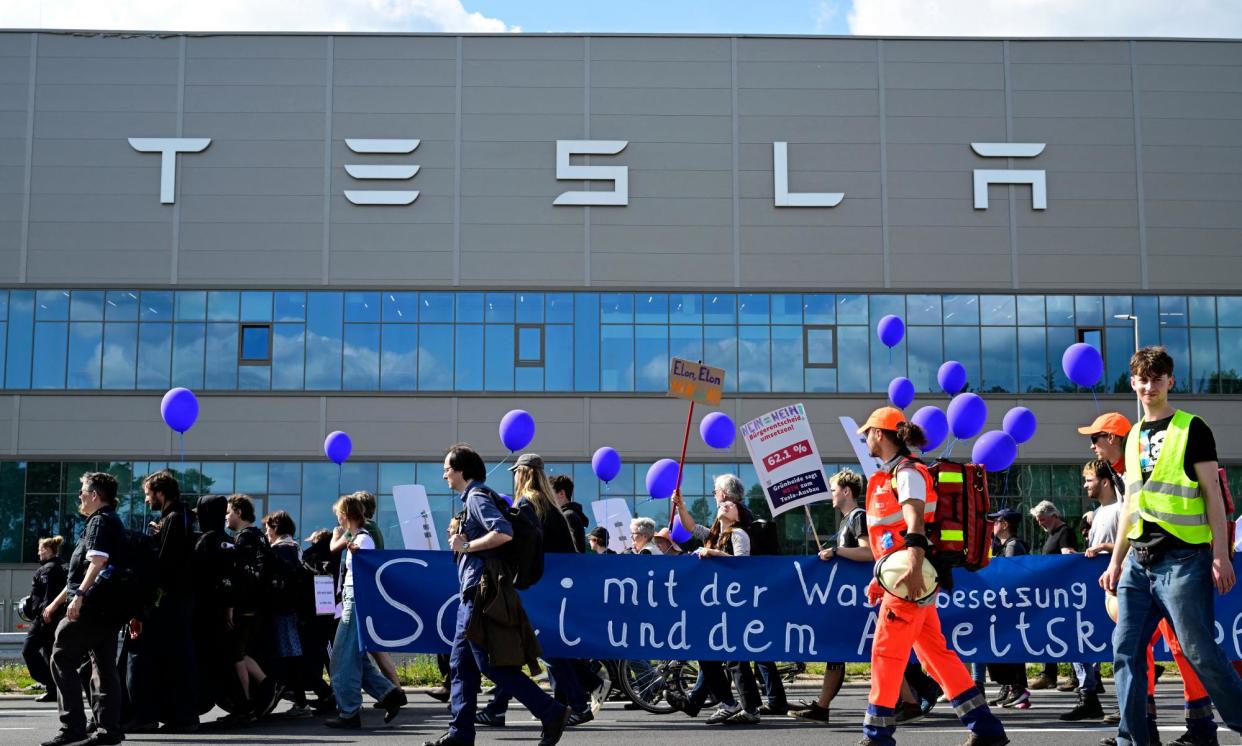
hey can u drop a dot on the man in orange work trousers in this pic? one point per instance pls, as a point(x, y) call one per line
point(900, 499)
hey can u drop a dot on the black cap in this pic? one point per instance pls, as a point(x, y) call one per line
point(529, 460)
point(601, 534)
point(1009, 515)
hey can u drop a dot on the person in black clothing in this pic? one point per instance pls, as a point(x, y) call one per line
point(1061, 540)
point(241, 619)
point(92, 618)
point(288, 576)
point(1014, 690)
point(47, 583)
point(575, 516)
point(317, 631)
point(214, 589)
point(161, 674)
point(598, 539)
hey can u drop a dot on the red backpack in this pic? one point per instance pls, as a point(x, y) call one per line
point(961, 535)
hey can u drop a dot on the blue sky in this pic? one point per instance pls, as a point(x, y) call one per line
point(664, 16)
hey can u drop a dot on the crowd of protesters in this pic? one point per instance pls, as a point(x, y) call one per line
point(215, 607)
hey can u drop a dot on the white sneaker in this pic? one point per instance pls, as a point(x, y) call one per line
point(723, 713)
point(600, 693)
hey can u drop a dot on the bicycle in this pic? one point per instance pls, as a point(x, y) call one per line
point(647, 682)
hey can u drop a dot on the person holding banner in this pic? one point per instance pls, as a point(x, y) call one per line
point(900, 500)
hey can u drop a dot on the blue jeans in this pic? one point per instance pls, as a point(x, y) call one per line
point(468, 662)
point(1179, 586)
point(351, 668)
point(565, 687)
point(1088, 676)
point(770, 682)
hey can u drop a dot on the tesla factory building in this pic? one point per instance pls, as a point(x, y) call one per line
point(406, 236)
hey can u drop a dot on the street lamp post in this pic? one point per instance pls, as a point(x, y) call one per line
point(1135, 319)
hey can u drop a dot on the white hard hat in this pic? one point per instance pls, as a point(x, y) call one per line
point(893, 566)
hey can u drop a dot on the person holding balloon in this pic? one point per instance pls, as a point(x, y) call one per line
point(900, 500)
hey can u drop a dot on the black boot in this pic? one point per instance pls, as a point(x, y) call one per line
point(1088, 708)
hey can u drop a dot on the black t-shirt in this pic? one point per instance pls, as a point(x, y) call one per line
point(1012, 547)
point(1060, 538)
point(853, 528)
point(103, 534)
point(1200, 447)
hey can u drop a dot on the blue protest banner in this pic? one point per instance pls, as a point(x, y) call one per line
point(1020, 609)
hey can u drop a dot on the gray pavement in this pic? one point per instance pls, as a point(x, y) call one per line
point(23, 722)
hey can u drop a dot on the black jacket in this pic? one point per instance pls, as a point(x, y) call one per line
point(557, 536)
point(214, 555)
point(577, 520)
point(174, 542)
point(48, 581)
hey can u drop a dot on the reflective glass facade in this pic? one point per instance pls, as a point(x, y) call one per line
point(374, 340)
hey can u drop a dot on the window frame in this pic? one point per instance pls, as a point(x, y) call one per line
point(241, 342)
point(518, 361)
point(806, 345)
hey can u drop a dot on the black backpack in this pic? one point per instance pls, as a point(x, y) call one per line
point(764, 538)
point(524, 553)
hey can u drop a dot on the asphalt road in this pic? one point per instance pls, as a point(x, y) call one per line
point(23, 722)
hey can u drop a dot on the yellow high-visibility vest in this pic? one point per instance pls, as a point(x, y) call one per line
point(1168, 498)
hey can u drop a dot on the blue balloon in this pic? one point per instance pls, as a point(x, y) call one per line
point(901, 392)
point(506, 498)
point(1083, 364)
point(891, 330)
point(606, 463)
point(662, 479)
point(517, 429)
point(995, 449)
point(967, 413)
point(179, 408)
point(717, 430)
point(1020, 423)
point(935, 426)
point(951, 377)
point(678, 532)
point(337, 447)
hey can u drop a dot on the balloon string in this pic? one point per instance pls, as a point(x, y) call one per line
point(499, 464)
point(1096, 400)
point(340, 470)
point(181, 437)
point(948, 450)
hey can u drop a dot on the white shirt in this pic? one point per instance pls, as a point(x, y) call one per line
point(911, 486)
point(1104, 525)
point(364, 541)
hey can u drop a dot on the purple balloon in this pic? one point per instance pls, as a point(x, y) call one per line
point(891, 330)
point(995, 449)
point(337, 446)
point(678, 532)
point(951, 377)
point(179, 408)
point(517, 429)
point(935, 426)
point(1082, 364)
point(662, 479)
point(717, 430)
point(967, 413)
point(901, 392)
point(606, 463)
point(1020, 423)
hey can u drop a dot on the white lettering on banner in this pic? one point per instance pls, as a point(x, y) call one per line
point(780, 184)
point(804, 631)
point(1085, 630)
point(619, 175)
point(168, 147)
point(379, 586)
point(963, 629)
point(992, 637)
point(566, 583)
point(381, 172)
point(816, 595)
point(723, 628)
point(984, 177)
point(753, 627)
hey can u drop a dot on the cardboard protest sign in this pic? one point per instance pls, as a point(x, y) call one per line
point(418, 527)
point(695, 381)
point(786, 460)
point(325, 595)
point(614, 514)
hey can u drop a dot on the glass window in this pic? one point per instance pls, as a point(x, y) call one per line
point(362, 306)
point(12, 509)
point(616, 308)
point(254, 377)
point(851, 309)
point(617, 357)
point(399, 358)
point(324, 316)
point(1177, 340)
point(924, 310)
point(289, 306)
point(256, 342)
point(586, 342)
point(925, 356)
point(499, 308)
point(1089, 310)
point(787, 359)
point(498, 364)
point(191, 305)
point(1230, 361)
point(86, 354)
point(1000, 360)
point(819, 308)
point(222, 305)
point(1031, 310)
point(154, 355)
point(720, 351)
point(438, 307)
point(753, 308)
point(1117, 305)
point(1119, 342)
point(685, 341)
point(1203, 364)
point(529, 308)
point(1146, 308)
point(221, 368)
point(288, 356)
point(884, 305)
point(4, 305)
point(821, 350)
point(218, 476)
point(251, 477)
point(42, 519)
point(998, 310)
point(1060, 310)
point(52, 305)
point(120, 356)
point(468, 371)
point(786, 308)
point(121, 305)
point(530, 344)
point(720, 309)
point(1229, 310)
point(961, 310)
point(685, 308)
point(400, 308)
point(558, 356)
point(1202, 310)
point(87, 305)
point(651, 357)
point(435, 357)
point(559, 308)
point(962, 344)
point(1173, 310)
point(754, 358)
point(188, 353)
point(361, 357)
point(20, 339)
point(256, 305)
point(854, 370)
point(469, 307)
point(1059, 338)
point(51, 341)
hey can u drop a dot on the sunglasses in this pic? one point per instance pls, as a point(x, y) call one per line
point(1096, 438)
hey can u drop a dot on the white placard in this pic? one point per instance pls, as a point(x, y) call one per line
point(418, 527)
point(870, 464)
point(786, 460)
point(325, 595)
point(614, 514)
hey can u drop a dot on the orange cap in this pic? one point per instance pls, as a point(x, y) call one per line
point(885, 418)
point(1109, 422)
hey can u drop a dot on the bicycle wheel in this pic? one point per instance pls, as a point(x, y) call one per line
point(645, 683)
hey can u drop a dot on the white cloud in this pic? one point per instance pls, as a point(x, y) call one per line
point(249, 15)
point(1188, 18)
